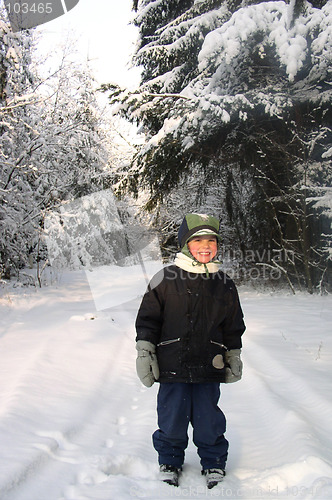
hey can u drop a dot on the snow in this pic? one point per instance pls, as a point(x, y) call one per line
point(76, 423)
point(170, 124)
point(269, 17)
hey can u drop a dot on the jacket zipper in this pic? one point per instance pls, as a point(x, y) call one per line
point(166, 342)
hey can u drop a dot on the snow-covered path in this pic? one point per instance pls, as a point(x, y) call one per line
point(75, 422)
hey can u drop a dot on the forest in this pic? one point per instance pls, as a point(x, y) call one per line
point(234, 117)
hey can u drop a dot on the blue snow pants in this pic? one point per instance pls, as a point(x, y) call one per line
point(179, 404)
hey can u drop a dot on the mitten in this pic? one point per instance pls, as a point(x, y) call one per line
point(233, 371)
point(146, 363)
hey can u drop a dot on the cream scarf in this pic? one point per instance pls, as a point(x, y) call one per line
point(193, 266)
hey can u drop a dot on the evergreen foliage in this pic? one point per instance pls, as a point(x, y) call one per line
point(233, 96)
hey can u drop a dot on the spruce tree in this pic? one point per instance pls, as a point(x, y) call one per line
point(242, 94)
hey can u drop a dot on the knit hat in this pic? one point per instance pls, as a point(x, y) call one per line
point(197, 225)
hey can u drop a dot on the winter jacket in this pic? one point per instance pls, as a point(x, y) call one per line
point(191, 318)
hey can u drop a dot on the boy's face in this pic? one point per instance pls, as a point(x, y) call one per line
point(204, 248)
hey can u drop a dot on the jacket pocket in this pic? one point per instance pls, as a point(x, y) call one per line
point(168, 354)
point(222, 346)
point(217, 355)
point(168, 342)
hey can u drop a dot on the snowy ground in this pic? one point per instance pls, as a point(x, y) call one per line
point(76, 424)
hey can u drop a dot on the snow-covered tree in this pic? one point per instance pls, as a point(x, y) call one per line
point(17, 146)
point(253, 65)
point(53, 145)
point(241, 92)
point(76, 154)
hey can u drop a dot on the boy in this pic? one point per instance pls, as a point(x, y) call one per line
point(189, 329)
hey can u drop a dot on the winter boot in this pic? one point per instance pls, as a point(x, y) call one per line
point(213, 476)
point(170, 474)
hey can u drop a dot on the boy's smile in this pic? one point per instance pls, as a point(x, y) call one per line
point(204, 248)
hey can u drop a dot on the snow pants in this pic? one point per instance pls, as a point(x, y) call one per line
point(179, 404)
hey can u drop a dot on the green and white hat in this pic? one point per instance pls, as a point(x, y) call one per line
point(197, 225)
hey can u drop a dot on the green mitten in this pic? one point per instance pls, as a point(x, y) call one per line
point(146, 363)
point(234, 365)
